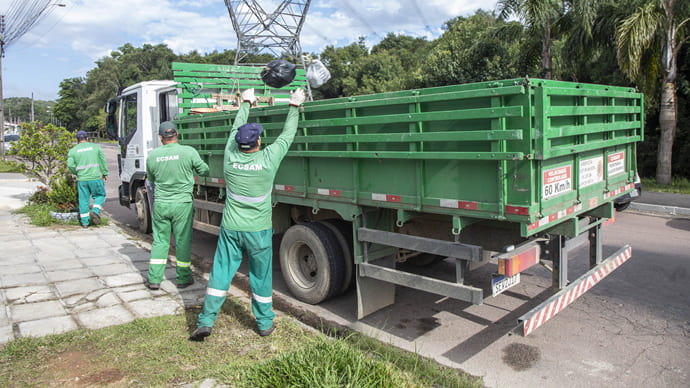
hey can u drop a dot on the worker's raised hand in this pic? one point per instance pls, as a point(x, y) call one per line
point(248, 96)
point(297, 97)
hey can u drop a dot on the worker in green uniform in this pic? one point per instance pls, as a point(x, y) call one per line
point(87, 161)
point(171, 168)
point(247, 225)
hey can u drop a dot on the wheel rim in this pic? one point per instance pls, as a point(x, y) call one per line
point(303, 265)
point(141, 209)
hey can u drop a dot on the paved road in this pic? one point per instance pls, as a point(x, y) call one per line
point(631, 330)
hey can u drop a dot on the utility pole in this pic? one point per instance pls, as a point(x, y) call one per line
point(2, 100)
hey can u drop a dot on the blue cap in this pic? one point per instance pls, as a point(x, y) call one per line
point(248, 134)
point(82, 135)
point(167, 129)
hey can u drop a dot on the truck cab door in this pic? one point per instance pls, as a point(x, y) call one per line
point(130, 138)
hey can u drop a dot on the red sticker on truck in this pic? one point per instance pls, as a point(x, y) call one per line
point(557, 181)
point(616, 163)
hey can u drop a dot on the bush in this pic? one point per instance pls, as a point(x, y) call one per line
point(43, 149)
point(63, 194)
point(40, 197)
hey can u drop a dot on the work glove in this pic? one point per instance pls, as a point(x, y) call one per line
point(297, 97)
point(248, 96)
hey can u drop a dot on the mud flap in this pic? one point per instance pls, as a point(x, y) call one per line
point(373, 294)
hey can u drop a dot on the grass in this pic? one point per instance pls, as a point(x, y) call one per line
point(678, 185)
point(156, 352)
point(39, 214)
point(10, 166)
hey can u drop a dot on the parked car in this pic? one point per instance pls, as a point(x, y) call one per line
point(623, 202)
point(9, 139)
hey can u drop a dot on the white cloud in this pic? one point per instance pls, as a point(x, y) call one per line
point(87, 30)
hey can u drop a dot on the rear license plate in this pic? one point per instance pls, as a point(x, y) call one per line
point(500, 283)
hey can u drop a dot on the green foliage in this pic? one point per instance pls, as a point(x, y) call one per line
point(324, 363)
point(10, 166)
point(43, 149)
point(63, 193)
point(478, 48)
point(40, 196)
point(18, 109)
point(39, 214)
point(678, 185)
point(68, 108)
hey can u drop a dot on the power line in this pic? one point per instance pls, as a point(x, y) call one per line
point(21, 17)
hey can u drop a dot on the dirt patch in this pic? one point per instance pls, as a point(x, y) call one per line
point(521, 357)
point(81, 369)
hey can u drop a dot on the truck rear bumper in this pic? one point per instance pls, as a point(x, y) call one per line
point(556, 303)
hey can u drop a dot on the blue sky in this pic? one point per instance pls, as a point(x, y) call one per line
point(67, 42)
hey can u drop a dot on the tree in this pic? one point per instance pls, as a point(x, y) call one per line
point(477, 48)
point(45, 150)
point(72, 95)
point(649, 41)
point(338, 60)
point(549, 19)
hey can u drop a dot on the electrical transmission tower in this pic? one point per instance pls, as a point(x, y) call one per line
point(259, 31)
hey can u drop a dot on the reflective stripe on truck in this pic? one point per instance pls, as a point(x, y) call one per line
point(555, 304)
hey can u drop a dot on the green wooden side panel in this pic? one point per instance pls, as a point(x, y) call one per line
point(197, 83)
point(529, 152)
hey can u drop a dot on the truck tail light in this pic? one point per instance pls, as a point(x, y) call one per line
point(518, 260)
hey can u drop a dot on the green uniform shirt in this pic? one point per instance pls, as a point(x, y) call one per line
point(249, 177)
point(87, 161)
point(171, 167)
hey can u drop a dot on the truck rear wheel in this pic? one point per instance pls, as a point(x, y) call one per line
point(143, 210)
point(340, 229)
point(311, 261)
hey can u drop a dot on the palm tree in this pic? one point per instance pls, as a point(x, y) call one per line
point(548, 18)
point(649, 41)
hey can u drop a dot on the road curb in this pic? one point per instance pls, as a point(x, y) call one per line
point(670, 210)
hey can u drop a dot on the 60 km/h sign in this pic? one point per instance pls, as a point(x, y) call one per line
point(557, 181)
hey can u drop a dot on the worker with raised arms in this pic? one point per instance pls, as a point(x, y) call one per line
point(249, 172)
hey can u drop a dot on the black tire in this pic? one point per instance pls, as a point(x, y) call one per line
point(338, 229)
point(621, 206)
point(311, 262)
point(141, 204)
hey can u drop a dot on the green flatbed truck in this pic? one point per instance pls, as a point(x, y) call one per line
point(509, 174)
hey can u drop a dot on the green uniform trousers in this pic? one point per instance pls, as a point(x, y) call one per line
point(87, 189)
point(175, 217)
point(259, 249)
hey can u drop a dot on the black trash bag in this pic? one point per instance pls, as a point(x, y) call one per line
point(278, 73)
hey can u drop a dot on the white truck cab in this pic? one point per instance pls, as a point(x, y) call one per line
point(133, 119)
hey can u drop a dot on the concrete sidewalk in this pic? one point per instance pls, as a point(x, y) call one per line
point(58, 279)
